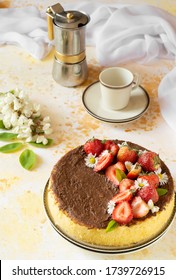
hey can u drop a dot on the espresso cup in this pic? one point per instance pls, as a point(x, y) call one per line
point(116, 84)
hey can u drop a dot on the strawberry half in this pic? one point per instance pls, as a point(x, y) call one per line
point(122, 196)
point(125, 184)
point(135, 171)
point(111, 146)
point(122, 213)
point(152, 179)
point(120, 165)
point(93, 146)
point(104, 160)
point(139, 207)
point(127, 154)
point(149, 161)
point(110, 172)
point(147, 193)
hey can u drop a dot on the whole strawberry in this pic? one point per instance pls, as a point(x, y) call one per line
point(125, 153)
point(94, 146)
point(111, 146)
point(147, 193)
point(149, 161)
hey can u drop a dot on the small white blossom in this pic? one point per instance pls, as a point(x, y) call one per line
point(163, 178)
point(152, 207)
point(123, 144)
point(46, 126)
point(111, 206)
point(140, 152)
point(46, 119)
point(41, 139)
point(91, 160)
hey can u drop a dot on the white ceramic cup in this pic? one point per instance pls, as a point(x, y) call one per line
point(116, 84)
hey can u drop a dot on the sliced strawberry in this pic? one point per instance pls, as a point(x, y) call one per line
point(122, 196)
point(147, 193)
point(120, 165)
point(149, 161)
point(125, 184)
point(110, 172)
point(152, 179)
point(128, 165)
point(104, 160)
point(122, 213)
point(93, 146)
point(111, 146)
point(125, 153)
point(139, 207)
point(135, 171)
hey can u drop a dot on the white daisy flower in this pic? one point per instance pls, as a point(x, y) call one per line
point(163, 178)
point(140, 183)
point(91, 160)
point(152, 207)
point(111, 206)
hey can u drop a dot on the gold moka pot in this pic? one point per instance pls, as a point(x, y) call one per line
point(67, 28)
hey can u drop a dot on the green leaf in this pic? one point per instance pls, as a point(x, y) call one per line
point(5, 136)
point(120, 175)
point(2, 124)
point(12, 91)
point(41, 145)
point(27, 159)
point(10, 148)
point(111, 226)
point(161, 191)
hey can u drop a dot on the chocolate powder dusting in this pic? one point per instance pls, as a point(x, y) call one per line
point(83, 194)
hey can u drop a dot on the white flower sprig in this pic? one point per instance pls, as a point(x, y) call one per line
point(23, 117)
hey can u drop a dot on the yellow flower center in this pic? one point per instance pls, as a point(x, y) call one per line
point(92, 160)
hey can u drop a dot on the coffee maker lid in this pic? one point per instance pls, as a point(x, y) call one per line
point(71, 19)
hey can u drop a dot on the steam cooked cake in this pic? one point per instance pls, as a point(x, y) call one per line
point(111, 193)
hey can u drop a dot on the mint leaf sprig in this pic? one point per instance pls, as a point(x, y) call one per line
point(27, 158)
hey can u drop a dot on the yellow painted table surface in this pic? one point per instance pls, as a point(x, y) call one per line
point(25, 232)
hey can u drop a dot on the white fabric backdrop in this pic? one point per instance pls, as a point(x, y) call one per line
point(120, 33)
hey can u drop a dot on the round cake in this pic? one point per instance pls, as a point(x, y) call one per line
point(111, 193)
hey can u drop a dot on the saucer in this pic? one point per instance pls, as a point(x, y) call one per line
point(138, 104)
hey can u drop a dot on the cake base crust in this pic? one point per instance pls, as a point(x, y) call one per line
point(121, 237)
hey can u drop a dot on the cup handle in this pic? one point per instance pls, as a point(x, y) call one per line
point(136, 80)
